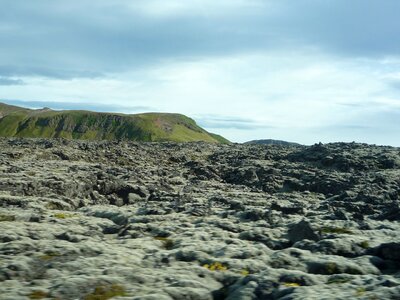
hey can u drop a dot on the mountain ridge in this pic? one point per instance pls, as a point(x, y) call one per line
point(272, 142)
point(18, 121)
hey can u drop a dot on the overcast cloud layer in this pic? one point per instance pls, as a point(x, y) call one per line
point(303, 71)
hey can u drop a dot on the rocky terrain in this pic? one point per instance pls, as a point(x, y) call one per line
point(272, 142)
point(124, 220)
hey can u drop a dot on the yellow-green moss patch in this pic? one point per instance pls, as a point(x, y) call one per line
point(104, 292)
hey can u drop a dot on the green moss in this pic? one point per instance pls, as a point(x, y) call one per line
point(331, 268)
point(7, 218)
point(360, 291)
point(364, 244)
point(104, 292)
point(168, 244)
point(63, 215)
point(215, 266)
point(49, 255)
point(338, 280)
point(291, 284)
point(37, 295)
point(43, 155)
point(337, 230)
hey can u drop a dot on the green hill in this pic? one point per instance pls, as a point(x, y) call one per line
point(78, 124)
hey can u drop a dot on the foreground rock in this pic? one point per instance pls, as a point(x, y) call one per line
point(102, 220)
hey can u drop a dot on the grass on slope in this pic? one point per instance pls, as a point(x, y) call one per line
point(10, 123)
point(94, 126)
point(6, 109)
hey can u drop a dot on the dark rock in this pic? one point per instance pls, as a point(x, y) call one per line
point(62, 155)
point(302, 231)
point(290, 210)
point(388, 251)
point(68, 237)
point(253, 214)
point(391, 214)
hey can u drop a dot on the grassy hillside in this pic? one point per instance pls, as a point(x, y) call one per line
point(76, 124)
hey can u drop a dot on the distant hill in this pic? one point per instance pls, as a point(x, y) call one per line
point(78, 124)
point(272, 142)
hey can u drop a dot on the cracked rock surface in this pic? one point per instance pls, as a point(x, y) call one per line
point(117, 220)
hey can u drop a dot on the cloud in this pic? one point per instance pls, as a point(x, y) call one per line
point(345, 127)
point(50, 72)
point(65, 37)
point(72, 39)
point(242, 97)
point(351, 28)
point(10, 81)
point(394, 84)
point(226, 122)
point(291, 70)
point(76, 106)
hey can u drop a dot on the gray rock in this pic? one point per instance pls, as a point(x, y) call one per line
point(83, 219)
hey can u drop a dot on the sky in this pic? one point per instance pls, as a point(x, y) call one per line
point(306, 71)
